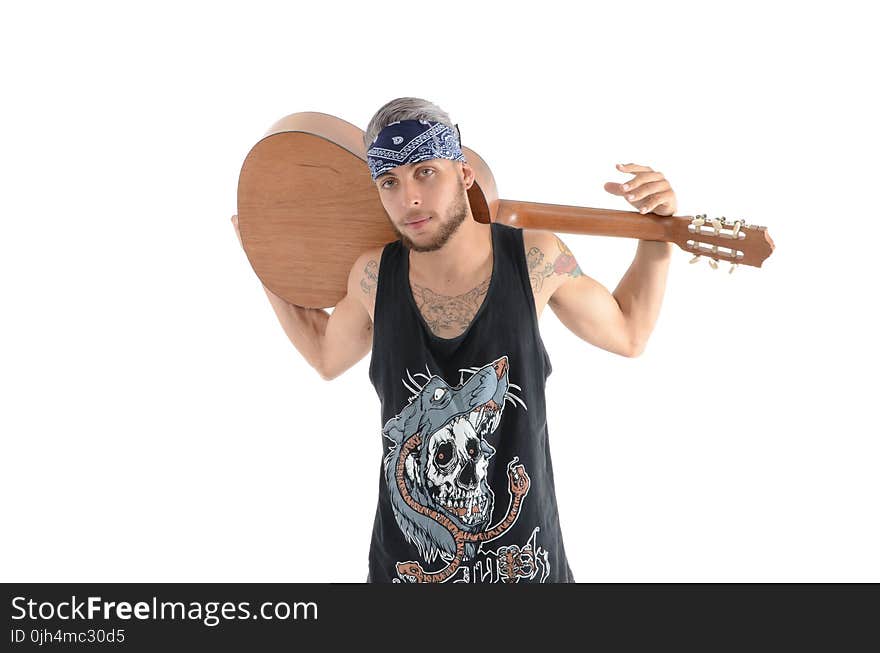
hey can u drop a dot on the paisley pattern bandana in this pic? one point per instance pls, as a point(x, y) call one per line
point(411, 141)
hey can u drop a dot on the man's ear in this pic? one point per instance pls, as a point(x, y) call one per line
point(468, 174)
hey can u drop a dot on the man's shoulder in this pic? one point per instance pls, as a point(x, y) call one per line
point(539, 245)
point(542, 251)
point(371, 255)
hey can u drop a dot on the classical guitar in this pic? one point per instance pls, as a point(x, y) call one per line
point(307, 208)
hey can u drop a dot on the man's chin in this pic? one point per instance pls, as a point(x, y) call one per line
point(428, 246)
point(422, 241)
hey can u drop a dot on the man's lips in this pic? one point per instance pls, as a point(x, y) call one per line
point(416, 223)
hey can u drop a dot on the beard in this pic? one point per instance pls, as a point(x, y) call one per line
point(455, 215)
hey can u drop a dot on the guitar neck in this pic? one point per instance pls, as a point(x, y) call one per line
point(584, 220)
point(714, 238)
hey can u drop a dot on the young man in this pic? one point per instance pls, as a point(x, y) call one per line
point(450, 310)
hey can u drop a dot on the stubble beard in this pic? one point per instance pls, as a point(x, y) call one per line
point(456, 214)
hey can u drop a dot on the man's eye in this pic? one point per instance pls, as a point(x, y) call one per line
point(387, 181)
point(427, 170)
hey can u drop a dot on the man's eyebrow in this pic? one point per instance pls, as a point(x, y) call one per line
point(385, 174)
point(414, 165)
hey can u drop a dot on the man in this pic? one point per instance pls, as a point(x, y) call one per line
point(451, 310)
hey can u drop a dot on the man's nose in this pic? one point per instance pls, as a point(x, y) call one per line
point(411, 195)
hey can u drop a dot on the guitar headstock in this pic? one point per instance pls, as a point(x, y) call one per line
point(722, 239)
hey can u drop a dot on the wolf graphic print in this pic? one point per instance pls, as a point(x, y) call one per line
point(437, 476)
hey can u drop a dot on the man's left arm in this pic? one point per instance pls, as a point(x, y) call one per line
point(640, 292)
point(622, 321)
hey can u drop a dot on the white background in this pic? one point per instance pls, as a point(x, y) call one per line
point(157, 424)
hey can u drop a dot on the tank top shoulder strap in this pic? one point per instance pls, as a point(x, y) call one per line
point(387, 285)
point(519, 254)
point(519, 292)
point(510, 242)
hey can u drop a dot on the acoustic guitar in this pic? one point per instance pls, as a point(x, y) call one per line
point(307, 208)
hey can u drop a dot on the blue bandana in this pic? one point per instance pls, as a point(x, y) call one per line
point(411, 141)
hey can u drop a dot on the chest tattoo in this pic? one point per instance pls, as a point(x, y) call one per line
point(448, 316)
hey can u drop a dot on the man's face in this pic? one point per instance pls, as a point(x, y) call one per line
point(433, 189)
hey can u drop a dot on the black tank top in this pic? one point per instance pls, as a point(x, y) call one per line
point(466, 491)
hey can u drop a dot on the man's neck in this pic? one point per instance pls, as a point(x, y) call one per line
point(465, 258)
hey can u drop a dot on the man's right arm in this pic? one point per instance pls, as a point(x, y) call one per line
point(330, 342)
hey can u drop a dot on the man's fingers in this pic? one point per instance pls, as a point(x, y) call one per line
point(641, 188)
point(632, 167)
point(627, 187)
point(641, 178)
point(615, 188)
point(655, 201)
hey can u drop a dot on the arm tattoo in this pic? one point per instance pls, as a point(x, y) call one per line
point(446, 312)
point(565, 263)
point(539, 269)
point(370, 278)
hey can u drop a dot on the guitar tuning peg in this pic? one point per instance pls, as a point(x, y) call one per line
point(716, 223)
point(713, 263)
point(695, 259)
point(736, 226)
point(732, 268)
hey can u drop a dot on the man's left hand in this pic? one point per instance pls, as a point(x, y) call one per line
point(648, 191)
